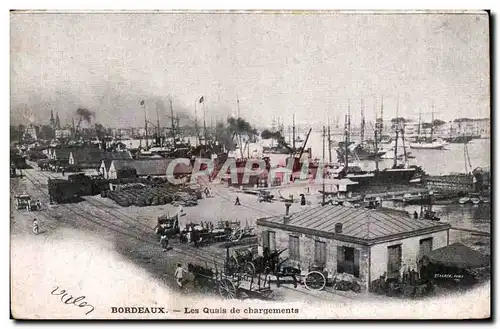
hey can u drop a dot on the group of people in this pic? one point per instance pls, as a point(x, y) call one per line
point(37, 203)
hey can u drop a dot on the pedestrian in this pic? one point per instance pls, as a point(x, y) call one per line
point(36, 229)
point(237, 203)
point(415, 215)
point(164, 241)
point(62, 171)
point(38, 205)
point(179, 275)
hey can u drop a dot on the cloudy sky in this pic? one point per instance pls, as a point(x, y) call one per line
point(312, 65)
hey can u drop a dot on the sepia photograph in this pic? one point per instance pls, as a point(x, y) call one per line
point(246, 164)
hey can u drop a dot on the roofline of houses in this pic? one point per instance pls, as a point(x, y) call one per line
point(350, 239)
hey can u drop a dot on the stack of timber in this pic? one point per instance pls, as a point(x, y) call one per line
point(150, 196)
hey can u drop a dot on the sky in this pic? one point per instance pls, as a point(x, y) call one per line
point(311, 65)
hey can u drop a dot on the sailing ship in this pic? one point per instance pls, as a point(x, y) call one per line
point(428, 143)
point(459, 139)
point(397, 174)
point(363, 150)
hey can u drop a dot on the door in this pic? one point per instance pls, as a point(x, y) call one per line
point(425, 246)
point(272, 241)
point(293, 247)
point(269, 240)
point(320, 253)
point(394, 261)
point(348, 260)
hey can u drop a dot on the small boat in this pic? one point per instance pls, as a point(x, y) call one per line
point(464, 200)
point(435, 144)
point(475, 200)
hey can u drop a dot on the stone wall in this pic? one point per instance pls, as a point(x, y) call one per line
point(409, 248)
point(307, 248)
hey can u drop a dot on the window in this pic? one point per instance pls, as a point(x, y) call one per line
point(320, 253)
point(293, 247)
point(394, 261)
point(348, 260)
point(269, 240)
point(425, 246)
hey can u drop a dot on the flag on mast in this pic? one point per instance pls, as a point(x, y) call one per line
point(201, 99)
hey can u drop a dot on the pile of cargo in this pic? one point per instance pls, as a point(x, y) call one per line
point(151, 196)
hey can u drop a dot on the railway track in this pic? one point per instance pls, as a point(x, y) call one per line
point(94, 217)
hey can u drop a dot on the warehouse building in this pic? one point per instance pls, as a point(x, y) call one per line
point(60, 154)
point(145, 168)
point(366, 243)
point(91, 158)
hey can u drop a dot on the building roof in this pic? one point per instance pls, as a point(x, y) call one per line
point(62, 153)
point(359, 225)
point(459, 256)
point(150, 167)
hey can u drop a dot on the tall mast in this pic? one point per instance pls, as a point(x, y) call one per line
point(362, 132)
point(347, 130)
point(172, 121)
point(382, 115)
point(349, 117)
point(323, 170)
point(376, 137)
point(432, 122)
point(397, 134)
point(204, 123)
point(238, 113)
point(329, 143)
point(404, 147)
point(293, 133)
point(419, 120)
point(196, 123)
point(158, 126)
point(395, 163)
point(146, 125)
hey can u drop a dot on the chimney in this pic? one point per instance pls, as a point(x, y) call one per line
point(338, 228)
point(287, 212)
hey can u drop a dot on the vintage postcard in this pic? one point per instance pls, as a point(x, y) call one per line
point(250, 165)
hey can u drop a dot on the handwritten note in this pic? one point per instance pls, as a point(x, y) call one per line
point(70, 300)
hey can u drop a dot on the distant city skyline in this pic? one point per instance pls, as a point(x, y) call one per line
point(310, 65)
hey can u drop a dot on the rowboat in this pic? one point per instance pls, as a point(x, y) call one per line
point(464, 200)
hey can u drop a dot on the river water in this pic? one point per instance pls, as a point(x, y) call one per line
point(434, 162)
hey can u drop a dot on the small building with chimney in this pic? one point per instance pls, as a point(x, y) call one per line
point(367, 243)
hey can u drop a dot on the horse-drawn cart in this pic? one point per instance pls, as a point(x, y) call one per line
point(168, 225)
point(228, 283)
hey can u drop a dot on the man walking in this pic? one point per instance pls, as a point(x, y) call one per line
point(164, 241)
point(36, 229)
point(237, 203)
point(179, 275)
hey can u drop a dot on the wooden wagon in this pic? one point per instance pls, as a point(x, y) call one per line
point(227, 284)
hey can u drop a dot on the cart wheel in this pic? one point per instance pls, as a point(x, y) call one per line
point(315, 281)
point(227, 290)
point(250, 268)
point(239, 235)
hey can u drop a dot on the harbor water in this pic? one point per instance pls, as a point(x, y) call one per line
point(434, 162)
